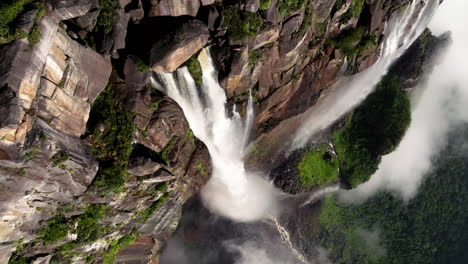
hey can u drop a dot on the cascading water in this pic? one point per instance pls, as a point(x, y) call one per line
point(231, 191)
point(401, 31)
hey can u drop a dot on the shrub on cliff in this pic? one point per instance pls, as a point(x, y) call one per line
point(374, 129)
point(10, 13)
point(286, 7)
point(106, 18)
point(57, 229)
point(116, 245)
point(241, 24)
point(112, 128)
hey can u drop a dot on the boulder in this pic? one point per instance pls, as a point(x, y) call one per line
point(141, 166)
point(174, 7)
point(64, 10)
point(169, 53)
point(88, 21)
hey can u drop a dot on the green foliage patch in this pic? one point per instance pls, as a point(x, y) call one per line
point(57, 229)
point(112, 129)
point(146, 214)
point(60, 157)
point(116, 245)
point(106, 18)
point(306, 23)
point(254, 56)
point(241, 24)
point(89, 228)
point(194, 67)
point(10, 12)
point(264, 4)
point(347, 42)
point(354, 10)
point(317, 168)
point(18, 259)
point(286, 7)
point(374, 129)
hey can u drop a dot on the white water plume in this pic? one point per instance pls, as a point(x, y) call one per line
point(439, 108)
point(231, 191)
point(400, 32)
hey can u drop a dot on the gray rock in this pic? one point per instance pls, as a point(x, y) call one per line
point(143, 166)
point(252, 5)
point(88, 21)
point(168, 54)
point(174, 7)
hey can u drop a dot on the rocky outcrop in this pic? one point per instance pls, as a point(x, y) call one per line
point(168, 54)
point(174, 7)
point(46, 94)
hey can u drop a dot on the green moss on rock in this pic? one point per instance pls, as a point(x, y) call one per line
point(112, 128)
point(241, 24)
point(317, 168)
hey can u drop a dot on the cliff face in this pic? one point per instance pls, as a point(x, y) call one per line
point(286, 52)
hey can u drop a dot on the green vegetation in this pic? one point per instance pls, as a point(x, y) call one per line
point(254, 56)
point(339, 4)
point(10, 13)
point(306, 23)
point(264, 4)
point(241, 24)
point(89, 228)
point(57, 229)
point(162, 187)
point(354, 10)
point(146, 214)
point(116, 245)
point(374, 129)
point(165, 152)
point(193, 65)
point(347, 42)
point(287, 7)
point(320, 28)
point(317, 168)
point(106, 19)
point(201, 168)
point(60, 157)
point(429, 229)
point(18, 259)
point(30, 154)
point(141, 65)
point(111, 127)
point(254, 149)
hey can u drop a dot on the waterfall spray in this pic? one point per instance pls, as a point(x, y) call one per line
point(400, 32)
point(231, 191)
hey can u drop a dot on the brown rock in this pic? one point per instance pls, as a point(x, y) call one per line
point(174, 7)
point(168, 54)
point(143, 166)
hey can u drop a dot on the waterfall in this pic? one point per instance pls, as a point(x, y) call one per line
point(314, 196)
point(231, 191)
point(400, 32)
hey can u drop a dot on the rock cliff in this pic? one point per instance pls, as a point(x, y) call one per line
point(57, 160)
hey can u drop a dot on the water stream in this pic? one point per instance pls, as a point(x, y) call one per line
point(400, 32)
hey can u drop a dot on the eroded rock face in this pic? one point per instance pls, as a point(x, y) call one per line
point(168, 54)
point(46, 93)
point(72, 78)
point(174, 7)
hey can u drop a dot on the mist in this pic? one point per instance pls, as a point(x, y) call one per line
point(439, 105)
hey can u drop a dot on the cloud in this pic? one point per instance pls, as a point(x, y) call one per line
point(438, 107)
